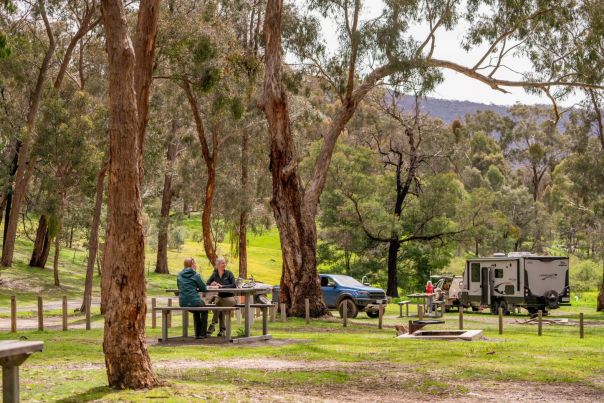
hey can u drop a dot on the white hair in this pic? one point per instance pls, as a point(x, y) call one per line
point(220, 260)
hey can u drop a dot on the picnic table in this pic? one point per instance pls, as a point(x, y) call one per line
point(248, 296)
point(12, 354)
point(423, 297)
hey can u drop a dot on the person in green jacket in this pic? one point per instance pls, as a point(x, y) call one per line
point(190, 285)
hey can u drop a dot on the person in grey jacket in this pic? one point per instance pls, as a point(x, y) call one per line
point(190, 285)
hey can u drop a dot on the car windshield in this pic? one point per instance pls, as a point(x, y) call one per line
point(347, 281)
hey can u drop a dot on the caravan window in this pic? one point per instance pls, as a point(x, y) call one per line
point(498, 273)
point(475, 271)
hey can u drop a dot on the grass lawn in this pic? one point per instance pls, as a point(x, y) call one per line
point(303, 362)
point(325, 360)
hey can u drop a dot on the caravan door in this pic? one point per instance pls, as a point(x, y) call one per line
point(485, 286)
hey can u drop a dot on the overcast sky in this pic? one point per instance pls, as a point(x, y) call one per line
point(457, 86)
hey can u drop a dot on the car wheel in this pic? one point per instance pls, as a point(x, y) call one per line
point(353, 311)
point(373, 314)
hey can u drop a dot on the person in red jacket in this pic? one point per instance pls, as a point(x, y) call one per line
point(429, 288)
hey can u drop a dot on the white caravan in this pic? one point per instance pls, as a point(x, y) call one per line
point(516, 280)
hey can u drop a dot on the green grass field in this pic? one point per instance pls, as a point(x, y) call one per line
point(312, 362)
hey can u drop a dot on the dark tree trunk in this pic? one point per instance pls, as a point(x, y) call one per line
point(123, 277)
point(55, 264)
point(393, 248)
point(161, 265)
point(600, 304)
point(93, 239)
point(41, 250)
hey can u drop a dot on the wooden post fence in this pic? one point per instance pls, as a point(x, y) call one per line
point(345, 313)
point(65, 325)
point(153, 318)
point(169, 313)
point(500, 320)
point(581, 329)
point(307, 310)
point(380, 316)
point(540, 323)
point(40, 314)
point(461, 318)
point(283, 313)
point(88, 309)
point(13, 313)
point(420, 312)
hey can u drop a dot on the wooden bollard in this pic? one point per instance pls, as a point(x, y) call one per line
point(13, 313)
point(581, 329)
point(500, 320)
point(345, 313)
point(170, 313)
point(420, 312)
point(153, 318)
point(88, 309)
point(380, 316)
point(461, 318)
point(539, 323)
point(64, 313)
point(40, 314)
point(307, 310)
point(283, 313)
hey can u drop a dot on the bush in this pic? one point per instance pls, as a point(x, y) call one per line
point(176, 237)
point(585, 276)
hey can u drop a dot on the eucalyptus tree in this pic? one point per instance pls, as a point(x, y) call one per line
point(370, 51)
point(84, 16)
point(123, 288)
point(205, 60)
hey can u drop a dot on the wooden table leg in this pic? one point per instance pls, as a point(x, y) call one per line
point(247, 313)
point(227, 331)
point(264, 321)
point(164, 325)
point(185, 323)
point(10, 384)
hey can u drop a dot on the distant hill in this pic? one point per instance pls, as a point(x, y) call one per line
point(449, 110)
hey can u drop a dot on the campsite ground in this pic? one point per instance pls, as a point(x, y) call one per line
point(323, 360)
point(319, 361)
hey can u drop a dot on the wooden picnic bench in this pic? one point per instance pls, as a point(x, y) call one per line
point(400, 307)
point(166, 310)
point(264, 308)
point(12, 354)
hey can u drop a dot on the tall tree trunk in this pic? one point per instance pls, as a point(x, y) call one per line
point(123, 277)
point(93, 239)
point(25, 164)
point(210, 158)
point(206, 216)
point(161, 265)
point(393, 248)
point(243, 217)
point(39, 255)
point(55, 264)
point(600, 304)
point(297, 230)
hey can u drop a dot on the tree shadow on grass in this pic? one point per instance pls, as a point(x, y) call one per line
point(90, 395)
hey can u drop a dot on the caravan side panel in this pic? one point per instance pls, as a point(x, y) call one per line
point(546, 273)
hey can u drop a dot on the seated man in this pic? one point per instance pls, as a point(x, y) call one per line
point(222, 278)
point(189, 285)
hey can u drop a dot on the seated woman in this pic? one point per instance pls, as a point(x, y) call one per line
point(190, 285)
point(222, 278)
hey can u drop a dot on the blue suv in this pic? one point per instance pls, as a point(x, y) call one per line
point(339, 288)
